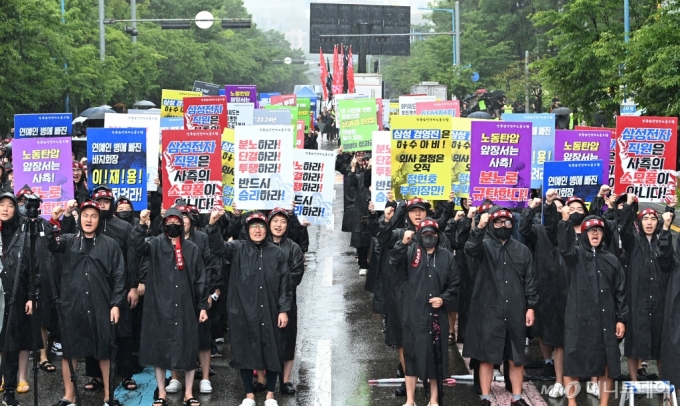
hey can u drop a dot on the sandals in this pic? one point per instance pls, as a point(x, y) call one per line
point(93, 385)
point(47, 366)
point(452, 338)
point(23, 387)
point(160, 402)
point(129, 384)
point(192, 402)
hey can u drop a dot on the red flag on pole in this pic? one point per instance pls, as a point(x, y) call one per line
point(324, 74)
point(350, 73)
point(338, 74)
point(336, 71)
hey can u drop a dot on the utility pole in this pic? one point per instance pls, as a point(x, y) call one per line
point(526, 74)
point(133, 16)
point(457, 30)
point(102, 33)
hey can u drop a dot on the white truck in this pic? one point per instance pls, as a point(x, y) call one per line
point(430, 89)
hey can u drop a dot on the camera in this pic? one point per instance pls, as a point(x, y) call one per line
point(32, 205)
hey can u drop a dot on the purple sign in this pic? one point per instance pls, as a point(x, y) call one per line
point(500, 163)
point(240, 93)
point(44, 164)
point(583, 145)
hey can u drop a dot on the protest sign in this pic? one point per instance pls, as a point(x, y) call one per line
point(542, 141)
point(42, 125)
point(172, 123)
point(357, 120)
point(420, 157)
point(387, 111)
point(293, 110)
point(460, 156)
point(206, 89)
point(116, 157)
point(265, 98)
point(583, 145)
point(646, 157)
point(612, 148)
point(205, 113)
point(407, 104)
point(240, 114)
point(263, 173)
point(271, 117)
point(241, 93)
point(313, 185)
point(44, 164)
point(381, 167)
point(152, 123)
point(303, 105)
point(144, 111)
point(499, 163)
point(172, 103)
point(574, 178)
point(379, 113)
point(228, 161)
point(441, 108)
point(300, 135)
point(192, 168)
point(284, 100)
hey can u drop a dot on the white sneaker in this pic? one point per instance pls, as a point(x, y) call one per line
point(174, 386)
point(219, 340)
point(593, 389)
point(248, 402)
point(557, 391)
point(363, 272)
point(271, 402)
point(205, 386)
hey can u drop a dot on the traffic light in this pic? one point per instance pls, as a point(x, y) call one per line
point(236, 23)
point(175, 25)
point(131, 31)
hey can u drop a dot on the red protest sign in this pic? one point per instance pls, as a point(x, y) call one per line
point(192, 168)
point(300, 136)
point(205, 113)
point(284, 100)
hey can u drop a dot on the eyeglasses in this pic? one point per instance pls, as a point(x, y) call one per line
point(257, 226)
point(595, 230)
point(502, 223)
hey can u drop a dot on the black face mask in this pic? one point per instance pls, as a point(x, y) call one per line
point(173, 230)
point(429, 241)
point(502, 233)
point(577, 218)
point(125, 215)
point(106, 213)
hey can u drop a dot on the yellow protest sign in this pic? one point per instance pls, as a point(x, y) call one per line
point(460, 155)
point(172, 102)
point(421, 163)
point(228, 149)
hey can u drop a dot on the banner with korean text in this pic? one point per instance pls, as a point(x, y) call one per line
point(303, 104)
point(583, 145)
point(313, 185)
point(43, 125)
point(542, 141)
point(192, 168)
point(284, 100)
point(172, 102)
point(612, 149)
point(271, 117)
point(117, 157)
point(441, 108)
point(646, 158)
point(241, 93)
point(460, 156)
point(45, 165)
point(407, 104)
point(421, 166)
point(381, 167)
point(263, 172)
point(357, 119)
point(499, 163)
point(574, 178)
point(240, 114)
point(300, 135)
point(228, 161)
point(152, 123)
point(205, 113)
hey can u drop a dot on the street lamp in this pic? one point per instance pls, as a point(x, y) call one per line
point(455, 28)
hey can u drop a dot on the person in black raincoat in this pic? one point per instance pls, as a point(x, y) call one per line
point(278, 228)
point(124, 210)
point(670, 340)
point(92, 292)
point(15, 337)
point(80, 193)
point(361, 238)
point(596, 306)
point(503, 301)
point(175, 302)
point(650, 252)
point(547, 265)
point(343, 164)
point(258, 301)
point(431, 283)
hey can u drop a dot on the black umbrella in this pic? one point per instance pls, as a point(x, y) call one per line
point(92, 110)
point(144, 103)
point(480, 114)
point(99, 114)
point(562, 111)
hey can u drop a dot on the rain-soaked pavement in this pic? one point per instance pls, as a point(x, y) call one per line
point(340, 347)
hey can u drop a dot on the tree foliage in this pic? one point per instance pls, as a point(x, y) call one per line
point(46, 58)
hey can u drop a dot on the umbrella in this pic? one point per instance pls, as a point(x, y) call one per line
point(79, 120)
point(144, 103)
point(480, 91)
point(562, 111)
point(99, 114)
point(93, 110)
point(480, 114)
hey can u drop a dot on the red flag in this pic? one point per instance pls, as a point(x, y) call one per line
point(338, 73)
point(324, 74)
point(350, 73)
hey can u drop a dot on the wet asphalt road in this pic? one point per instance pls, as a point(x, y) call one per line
point(340, 347)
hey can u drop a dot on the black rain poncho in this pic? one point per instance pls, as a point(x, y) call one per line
point(670, 339)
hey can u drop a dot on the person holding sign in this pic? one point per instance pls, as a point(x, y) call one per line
point(258, 301)
point(503, 301)
point(651, 260)
point(595, 282)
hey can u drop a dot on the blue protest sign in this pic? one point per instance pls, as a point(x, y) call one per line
point(574, 178)
point(271, 117)
point(265, 98)
point(117, 157)
point(43, 125)
point(172, 123)
point(542, 142)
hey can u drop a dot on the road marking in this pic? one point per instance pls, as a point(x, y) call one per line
point(675, 228)
point(328, 272)
point(146, 385)
point(322, 374)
